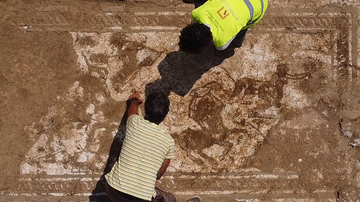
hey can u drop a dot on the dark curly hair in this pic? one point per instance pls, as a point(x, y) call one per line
point(156, 107)
point(194, 38)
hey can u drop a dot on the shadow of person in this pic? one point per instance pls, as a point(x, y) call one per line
point(179, 70)
point(98, 194)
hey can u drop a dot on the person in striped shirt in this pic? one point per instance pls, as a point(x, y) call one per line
point(145, 154)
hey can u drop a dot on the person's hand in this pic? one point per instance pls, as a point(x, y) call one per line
point(137, 96)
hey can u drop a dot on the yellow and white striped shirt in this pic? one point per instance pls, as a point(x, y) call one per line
point(145, 148)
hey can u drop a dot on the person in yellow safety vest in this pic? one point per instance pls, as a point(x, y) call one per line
point(222, 21)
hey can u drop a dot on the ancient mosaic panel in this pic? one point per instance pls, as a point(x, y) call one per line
point(222, 109)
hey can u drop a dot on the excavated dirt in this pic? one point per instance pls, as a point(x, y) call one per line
point(286, 102)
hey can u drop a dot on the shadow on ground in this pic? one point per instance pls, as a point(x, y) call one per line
point(179, 70)
point(98, 194)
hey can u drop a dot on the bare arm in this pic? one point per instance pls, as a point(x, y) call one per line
point(134, 103)
point(162, 169)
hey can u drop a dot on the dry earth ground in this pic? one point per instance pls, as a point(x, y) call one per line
point(277, 121)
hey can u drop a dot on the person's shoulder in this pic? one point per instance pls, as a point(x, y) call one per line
point(134, 118)
point(166, 135)
point(171, 139)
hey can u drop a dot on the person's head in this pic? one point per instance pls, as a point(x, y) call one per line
point(156, 107)
point(194, 38)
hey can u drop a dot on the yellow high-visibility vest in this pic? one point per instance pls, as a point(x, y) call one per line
point(227, 17)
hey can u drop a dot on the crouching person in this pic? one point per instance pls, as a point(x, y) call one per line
point(145, 154)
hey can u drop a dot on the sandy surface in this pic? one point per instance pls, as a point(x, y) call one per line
point(279, 120)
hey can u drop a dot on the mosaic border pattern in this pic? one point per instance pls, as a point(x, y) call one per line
point(112, 20)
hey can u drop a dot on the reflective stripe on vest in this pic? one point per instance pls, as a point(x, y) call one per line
point(251, 10)
point(227, 17)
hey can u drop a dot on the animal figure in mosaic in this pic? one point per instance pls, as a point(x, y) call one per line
point(270, 92)
point(239, 112)
point(205, 109)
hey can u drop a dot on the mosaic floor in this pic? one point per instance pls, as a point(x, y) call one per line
point(291, 85)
